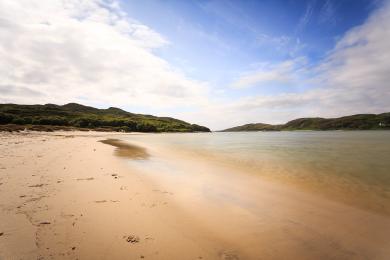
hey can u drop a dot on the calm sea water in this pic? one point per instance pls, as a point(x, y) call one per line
point(353, 166)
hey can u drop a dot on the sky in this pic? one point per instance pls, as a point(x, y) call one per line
point(214, 63)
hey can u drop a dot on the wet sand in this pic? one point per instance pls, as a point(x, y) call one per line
point(66, 196)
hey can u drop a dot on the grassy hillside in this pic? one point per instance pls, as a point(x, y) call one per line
point(354, 122)
point(253, 127)
point(78, 116)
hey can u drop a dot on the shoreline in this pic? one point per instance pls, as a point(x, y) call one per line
point(281, 172)
point(66, 196)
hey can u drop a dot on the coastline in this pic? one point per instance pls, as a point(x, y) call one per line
point(65, 196)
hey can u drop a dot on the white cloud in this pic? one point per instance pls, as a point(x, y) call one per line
point(86, 51)
point(265, 74)
point(353, 78)
point(357, 71)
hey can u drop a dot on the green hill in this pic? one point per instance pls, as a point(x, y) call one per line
point(253, 127)
point(76, 116)
point(354, 122)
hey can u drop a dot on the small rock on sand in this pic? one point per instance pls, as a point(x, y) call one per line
point(45, 223)
point(132, 239)
point(1, 233)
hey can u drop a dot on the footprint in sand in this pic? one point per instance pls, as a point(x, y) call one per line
point(163, 192)
point(228, 256)
point(37, 185)
point(86, 179)
point(35, 199)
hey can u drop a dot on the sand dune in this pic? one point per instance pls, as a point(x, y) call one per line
point(66, 196)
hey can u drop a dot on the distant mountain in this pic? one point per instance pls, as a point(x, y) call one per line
point(72, 115)
point(354, 122)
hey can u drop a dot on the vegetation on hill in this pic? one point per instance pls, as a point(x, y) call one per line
point(76, 116)
point(253, 127)
point(354, 122)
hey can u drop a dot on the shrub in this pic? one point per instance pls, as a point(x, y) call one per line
point(19, 121)
point(146, 127)
point(5, 118)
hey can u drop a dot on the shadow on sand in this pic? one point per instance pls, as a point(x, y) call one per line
point(127, 150)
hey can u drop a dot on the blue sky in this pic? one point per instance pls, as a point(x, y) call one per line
point(216, 63)
point(243, 32)
point(217, 41)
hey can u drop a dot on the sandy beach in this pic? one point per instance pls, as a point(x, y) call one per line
point(72, 196)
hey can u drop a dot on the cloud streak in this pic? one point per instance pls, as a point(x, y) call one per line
point(306, 17)
point(327, 13)
point(284, 73)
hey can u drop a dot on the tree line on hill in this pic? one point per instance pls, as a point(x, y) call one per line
point(84, 117)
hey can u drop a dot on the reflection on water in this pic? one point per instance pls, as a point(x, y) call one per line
point(350, 166)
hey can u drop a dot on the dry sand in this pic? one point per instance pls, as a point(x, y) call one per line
point(66, 196)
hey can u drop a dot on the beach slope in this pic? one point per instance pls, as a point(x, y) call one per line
point(75, 196)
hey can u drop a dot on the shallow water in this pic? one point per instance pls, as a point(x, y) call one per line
point(349, 166)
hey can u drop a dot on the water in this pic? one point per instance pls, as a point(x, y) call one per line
point(349, 166)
